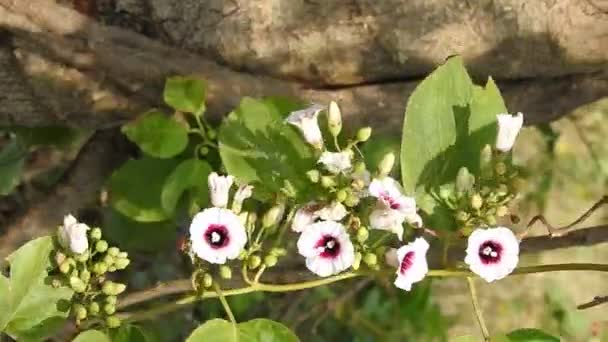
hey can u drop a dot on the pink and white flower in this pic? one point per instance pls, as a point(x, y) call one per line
point(217, 234)
point(412, 265)
point(508, 128)
point(336, 162)
point(392, 208)
point(327, 248)
point(492, 253)
point(73, 235)
point(219, 187)
point(306, 120)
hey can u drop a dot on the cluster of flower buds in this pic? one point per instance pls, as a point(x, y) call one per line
point(84, 260)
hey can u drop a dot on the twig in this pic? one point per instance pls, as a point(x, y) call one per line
point(226, 306)
point(597, 300)
point(477, 308)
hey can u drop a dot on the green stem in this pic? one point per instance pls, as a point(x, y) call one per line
point(218, 290)
point(477, 308)
point(256, 279)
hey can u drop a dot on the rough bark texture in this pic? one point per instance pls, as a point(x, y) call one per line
point(348, 42)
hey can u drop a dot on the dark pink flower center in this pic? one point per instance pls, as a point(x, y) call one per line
point(407, 262)
point(490, 252)
point(217, 236)
point(390, 201)
point(330, 245)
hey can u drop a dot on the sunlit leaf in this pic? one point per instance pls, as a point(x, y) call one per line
point(185, 94)
point(157, 134)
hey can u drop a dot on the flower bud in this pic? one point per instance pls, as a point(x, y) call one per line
point(502, 190)
point(111, 300)
point(363, 134)
point(351, 201)
point(203, 150)
point(334, 119)
point(466, 231)
point(77, 285)
point(270, 260)
point(370, 259)
point(485, 161)
point(108, 288)
point(82, 257)
point(362, 234)
point(100, 268)
point(85, 276)
point(327, 182)
point(119, 288)
point(273, 216)
point(113, 322)
point(80, 312)
point(95, 234)
point(112, 268)
point(462, 216)
point(502, 211)
point(476, 201)
point(491, 220)
point(341, 195)
point(122, 263)
point(464, 180)
point(94, 308)
point(225, 272)
point(278, 251)
point(211, 133)
point(500, 168)
point(65, 267)
point(123, 255)
point(445, 193)
point(357, 261)
point(56, 283)
point(109, 309)
point(60, 258)
point(386, 164)
point(207, 280)
point(313, 175)
point(109, 260)
point(254, 261)
point(101, 246)
point(113, 251)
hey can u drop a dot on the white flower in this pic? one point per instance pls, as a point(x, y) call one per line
point(492, 253)
point(304, 217)
point(333, 212)
point(336, 162)
point(306, 121)
point(327, 248)
point(508, 128)
point(73, 235)
point(392, 207)
point(412, 263)
point(217, 234)
point(243, 192)
point(219, 187)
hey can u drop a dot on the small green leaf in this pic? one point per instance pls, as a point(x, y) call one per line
point(136, 236)
point(12, 158)
point(92, 336)
point(265, 330)
point(135, 188)
point(185, 94)
point(190, 174)
point(215, 330)
point(531, 335)
point(157, 134)
point(259, 148)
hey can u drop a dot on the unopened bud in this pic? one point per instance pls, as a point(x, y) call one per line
point(502, 211)
point(351, 201)
point(502, 190)
point(203, 150)
point(485, 161)
point(80, 312)
point(94, 308)
point(273, 216)
point(100, 268)
point(327, 182)
point(96, 234)
point(225, 272)
point(111, 300)
point(113, 251)
point(60, 258)
point(386, 164)
point(112, 268)
point(109, 260)
point(64, 267)
point(358, 184)
point(109, 309)
point(123, 255)
point(500, 168)
point(464, 180)
point(82, 257)
point(113, 322)
point(313, 175)
point(362, 234)
point(270, 260)
point(363, 134)
point(211, 133)
point(491, 220)
point(341, 195)
point(357, 261)
point(101, 246)
point(108, 288)
point(476, 201)
point(254, 261)
point(462, 216)
point(370, 259)
point(85, 276)
point(278, 251)
point(207, 280)
point(119, 288)
point(122, 263)
point(445, 193)
point(77, 285)
point(334, 119)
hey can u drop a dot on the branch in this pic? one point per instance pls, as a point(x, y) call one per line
point(597, 300)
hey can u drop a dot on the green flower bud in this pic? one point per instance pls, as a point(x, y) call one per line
point(119, 288)
point(313, 175)
point(123, 255)
point(464, 180)
point(358, 184)
point(82, 257)
point(370, 259)
point(122, 263)
point(485, 161)
point(502, 211)
point(203, 150)
point(109, 309)
point(85, 276)
point(351, 201)
point(101, 246)
point(278, 251)
point(112, 268)
point(111, 300)
point(341, 195)
point(334, 119)
point(100, 268)
point(80, 312)
point(502, 190)
point(225, 272)
point(77, 285)
point(273, 216)
point(65, 267)
point(211, 133)
point(466, 231)
point(359, 167)
point(94, 308)
point(357, 261)
point(113, 251)
point(207, 280)
point(56, 283)
point(327, 182)
point(500, 168)
point(363, 134)
point(462, 216)
point(476, 201)
point(95, 234)
point(254, 261)
point(270, 260)
point(491, 220)
point(108, 288)
point(362, 234)
point(113, 322)
point(109, 260)
point(445, 193)
point(386, 164)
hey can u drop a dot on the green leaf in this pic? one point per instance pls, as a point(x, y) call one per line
point(157, 134)
point(135, 188)
point(377, 147)
point(185, 94)
point(130, 333)
point(136, 236)
point(190, 174)
point(429, 128)
point(31, 308)
point(531, 335)
point(92, 336)
point(256, 330)
point(258, 147)
point(12, 158)
point(464, 338)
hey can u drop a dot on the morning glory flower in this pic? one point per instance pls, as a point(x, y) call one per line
point(508, 128)
point(492, 253)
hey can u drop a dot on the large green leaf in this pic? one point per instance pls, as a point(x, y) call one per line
point(157, 134)
point(429, 128)
point(12, 158)
point(258, 147)
point(31, 308)
point(192, 175)
point(136, 236)
point(92, 336)
point(257, 330)
point(531, 335)
point(135, 188)
point(185, 94)
point(130, 333)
